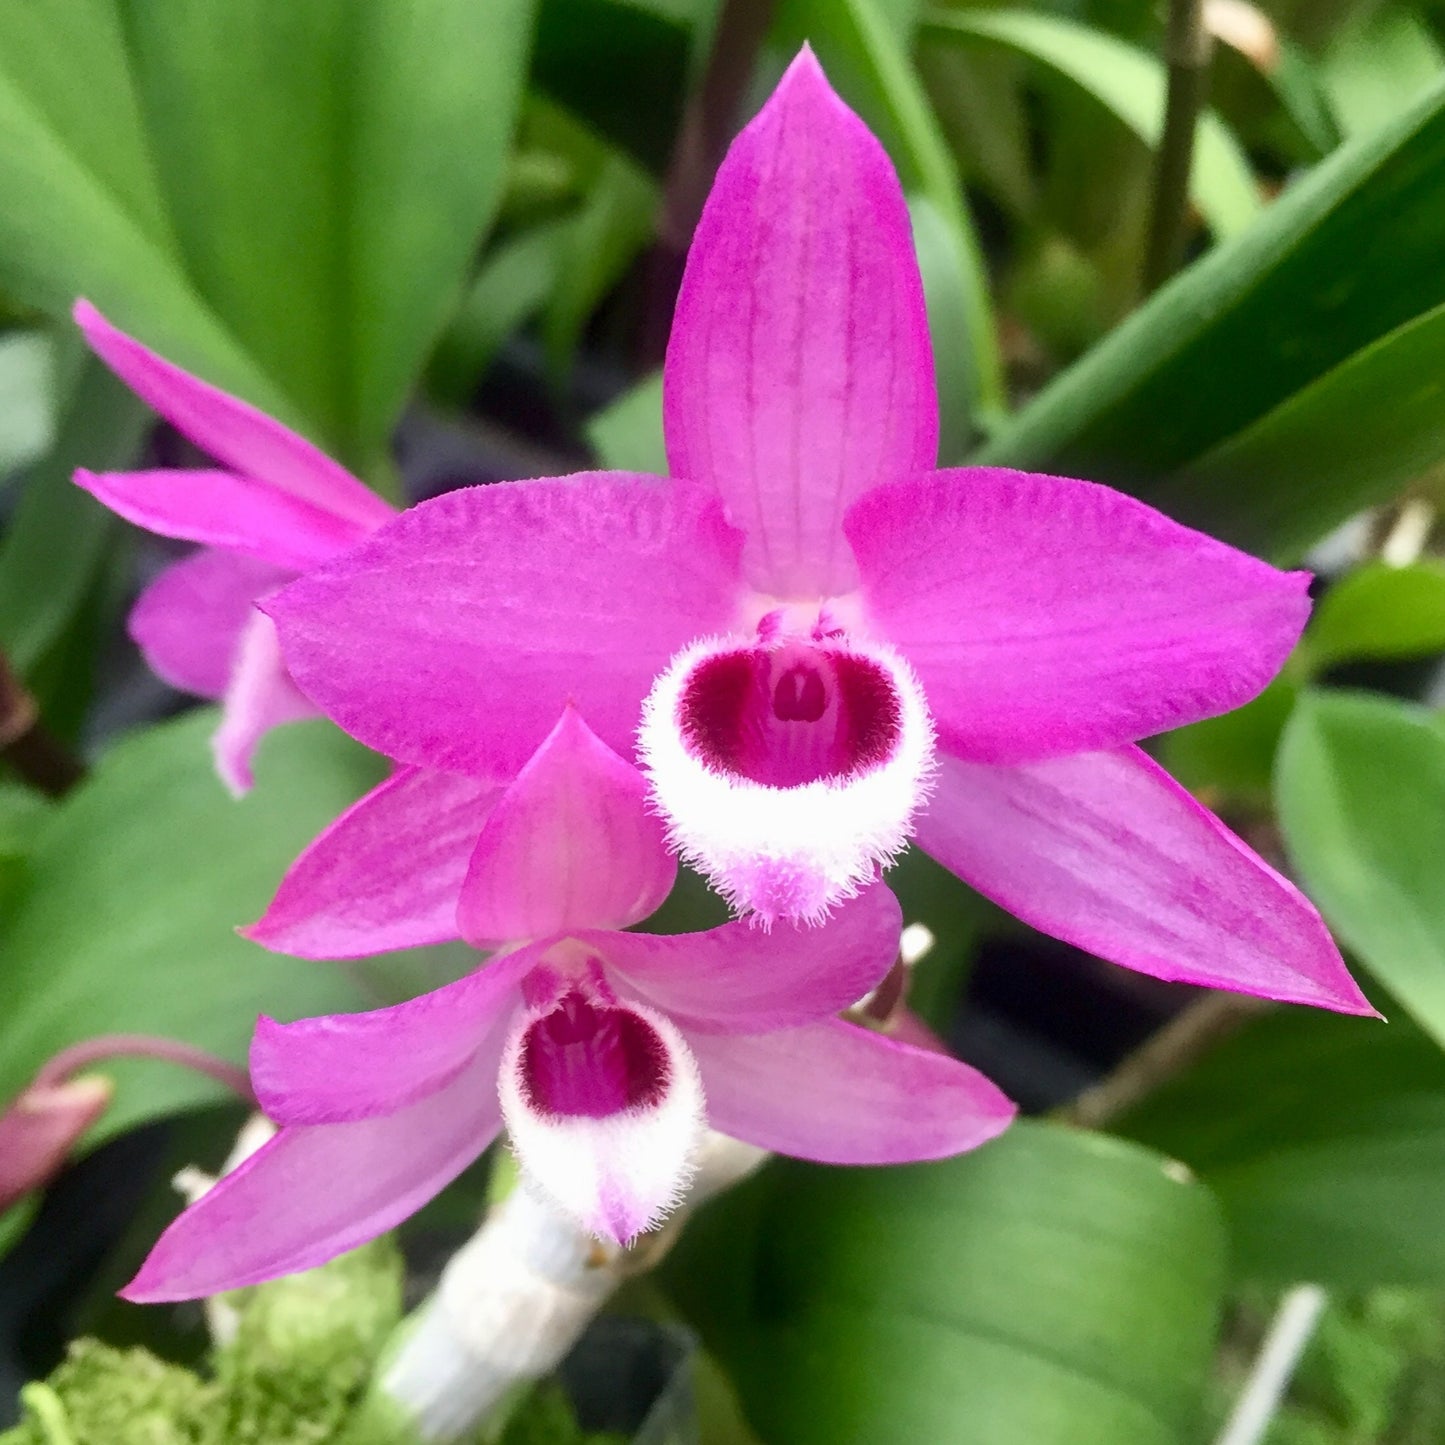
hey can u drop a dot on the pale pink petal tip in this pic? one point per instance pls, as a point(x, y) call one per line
point(789, 772)
point(604, 1107)
point(260, 696)
point(572, 843)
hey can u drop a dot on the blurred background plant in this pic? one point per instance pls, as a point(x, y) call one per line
point(443, 242)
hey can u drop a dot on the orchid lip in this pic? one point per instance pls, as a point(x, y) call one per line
point(790, 767)
point(603, 1102)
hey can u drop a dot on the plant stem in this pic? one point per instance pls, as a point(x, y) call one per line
point(1181, 1042)
point(60, 1067)
point(1289, 1332)
point(1186, 54)
point(26, 745)
point(515, 1298)
point(706, 131)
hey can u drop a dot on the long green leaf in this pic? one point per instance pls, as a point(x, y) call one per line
point(1055, 1288)
point(53, 549)
point(79, 211)
point(135, 888)
point(1129, 83)
point(1349, 439)
point(1344, 257)
point(1360, 788)
point(434, 101)
point(1324, 1139)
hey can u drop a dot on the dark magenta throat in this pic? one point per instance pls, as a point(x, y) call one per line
point(788, 715)
point(590, 1060)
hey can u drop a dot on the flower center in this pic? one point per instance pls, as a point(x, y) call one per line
point(790, 714)
point(590, 1060)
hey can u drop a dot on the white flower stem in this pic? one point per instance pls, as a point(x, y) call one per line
point(1289, 1333)
point(515, 1298)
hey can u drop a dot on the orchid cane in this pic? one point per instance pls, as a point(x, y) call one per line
point(605, 1053)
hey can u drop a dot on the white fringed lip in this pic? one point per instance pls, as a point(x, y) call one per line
point(788, 851)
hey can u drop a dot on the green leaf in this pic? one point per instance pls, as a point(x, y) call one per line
point(79, 209)
point(1377, 66)
point(613, 226)
point(1130, 84)
point(27, 398)
point(1350, 439)
point(509, 289)
point(54, 547)
point(1234, 752)
point(858, 45)
point(434, 99)
point(136, 886)
point(621, 67)
point(627, 435)
point(1380, 611)
point(1344, 257)
point(330, 168)
point(1360, 790)
point(1324, 1138)
point(1053, 1288)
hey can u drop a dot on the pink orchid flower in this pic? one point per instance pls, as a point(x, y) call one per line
point(602, 1051)
point(828, 645)
point(282, 507)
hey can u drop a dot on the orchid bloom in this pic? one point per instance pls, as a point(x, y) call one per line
point(820, 645)
point(602, 1051)
point(281, 507)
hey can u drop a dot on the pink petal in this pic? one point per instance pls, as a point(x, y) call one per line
point(454, 637)
point(315, 1191)
point(603, 1107)
point(188, 622)
point(1045, 615)
point(224, 509)
point(1105, 850)
point(741, 978)
point(799, 372)
point(385, 875)
point(789, 772)
point(235, 433)
point(841, 1094)
point(571, 844)
point(344, 1067)
point(259, 696)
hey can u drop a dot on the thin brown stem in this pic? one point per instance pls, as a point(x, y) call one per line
point(1185, 1039)
point(41, 759)
point(1186, 55)
point(707, 128)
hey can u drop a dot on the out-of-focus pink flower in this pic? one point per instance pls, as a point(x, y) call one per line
point(604, 1052)
point(41, 1127)
point(281, 507)
point(828, 645)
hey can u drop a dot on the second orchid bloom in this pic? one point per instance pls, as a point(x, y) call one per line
point(604, 1053)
